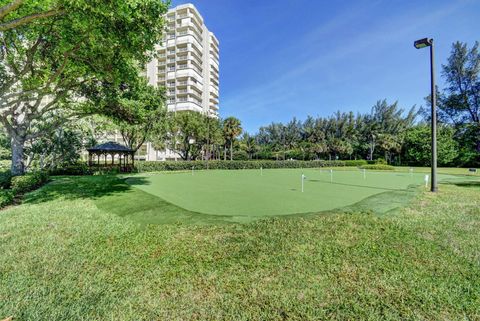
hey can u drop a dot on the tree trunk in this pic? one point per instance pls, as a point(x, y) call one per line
point(18, 144)
point(225, 152)
point(231, 150)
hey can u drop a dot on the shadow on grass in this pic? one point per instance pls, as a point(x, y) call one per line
point(81, 187)
point(114, 195)
point(470, 184)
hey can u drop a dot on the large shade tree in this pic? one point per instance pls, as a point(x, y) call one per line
point(186, 133)
point(137, 109)
point(46, 64)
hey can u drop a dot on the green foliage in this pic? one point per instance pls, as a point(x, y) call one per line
point(6, 198)
point(240, 155)
point(459, 102)
point(364, 136)
point(137, 108)
point(378, 167)
point(218, 164)
point(5, 153)
point(5, 165)
point(381, 161)
point(74, 54)
point(187, 130)
point(60, 148)
point(356, 162)
point(73, 169)
point(5, 179)
point(418, 145)
point(28, 182)
point(232, 128)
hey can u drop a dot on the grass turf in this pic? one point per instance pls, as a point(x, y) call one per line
point(247, 194)
point(66, 256)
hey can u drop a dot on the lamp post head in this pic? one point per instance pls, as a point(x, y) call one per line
point(422, 43)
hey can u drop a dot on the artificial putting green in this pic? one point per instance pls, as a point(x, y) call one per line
point(254, 193)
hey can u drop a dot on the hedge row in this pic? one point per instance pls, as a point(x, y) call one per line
point(356, 162)
point(149, 166)
point(18, 185)
point(378, 167)
point(256, 164)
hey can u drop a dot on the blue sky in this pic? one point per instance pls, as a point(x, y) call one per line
point(286, 58)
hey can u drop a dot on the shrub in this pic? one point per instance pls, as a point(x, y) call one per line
point(356, 162)
point(5, 180)
point(28, 182)
point(240, 155)
point(6, 198)
point(381, 161)
point(216, 164)
point(5, 165)
point(378, 167)
point(75, 169)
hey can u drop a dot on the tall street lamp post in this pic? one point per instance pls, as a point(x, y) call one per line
point(419, 44)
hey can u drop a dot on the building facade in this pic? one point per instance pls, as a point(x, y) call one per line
point(187, 63)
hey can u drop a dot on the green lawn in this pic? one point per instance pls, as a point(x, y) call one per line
point(245, 195)
point(80, 249)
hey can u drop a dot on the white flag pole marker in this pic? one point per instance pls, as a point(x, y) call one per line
point(331, 176)
point(426, 181)
point(261, 171)
point(303, 178)
point(411, 172)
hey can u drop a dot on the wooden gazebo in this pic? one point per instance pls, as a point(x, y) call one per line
point(98, 156)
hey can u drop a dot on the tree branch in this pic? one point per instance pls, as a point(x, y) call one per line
point(6, 9)
point(24, 20)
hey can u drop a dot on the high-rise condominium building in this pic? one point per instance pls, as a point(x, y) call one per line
point(188, 63)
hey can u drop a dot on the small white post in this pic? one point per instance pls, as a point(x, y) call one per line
point(426, 181)
point(331, 176)
point(303, 178)
point(364, 174)
point(411, 172)
point(261, 171)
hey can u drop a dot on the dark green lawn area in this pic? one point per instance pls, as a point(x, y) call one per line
point(81, 248)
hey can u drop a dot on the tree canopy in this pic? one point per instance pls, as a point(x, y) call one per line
point(47, 65)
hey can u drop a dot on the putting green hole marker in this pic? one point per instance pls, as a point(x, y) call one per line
point(303, 178)
point(426, 181)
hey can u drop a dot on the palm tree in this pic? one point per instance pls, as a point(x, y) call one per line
point(232, 128)
point(249, 144)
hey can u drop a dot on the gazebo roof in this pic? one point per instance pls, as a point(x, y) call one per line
point(110, 147)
